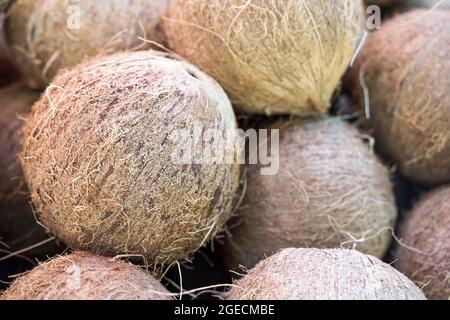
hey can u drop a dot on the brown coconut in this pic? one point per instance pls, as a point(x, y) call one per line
point(98, 157)
point(320, 274)
point(84, 276)
point(330, 191)
point(47, 35)
point(18, 227)
point(424, 255)
point(405, 67)
point(282, 56)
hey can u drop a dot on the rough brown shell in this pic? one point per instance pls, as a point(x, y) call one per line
point(406, 68)
point(315, 274)
point(47, 35)
point(280, 56)
point(84, 276)
point(425, 255)
point(330, 191)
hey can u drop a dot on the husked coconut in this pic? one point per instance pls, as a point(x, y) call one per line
point(100, 157)
point(48, 35)
point(424, 255)
point(405, 68)
point(281, 56)
point(84, 276)
point(320, 274)
point(330, 191)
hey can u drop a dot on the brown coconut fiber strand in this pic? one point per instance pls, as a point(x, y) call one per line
point(47, 35)
point(323, 274)
point(84, 276)
point(18, 227)
point(406, 68)
point(426, 257)
point(281, 56)
point(98, 157)
point(331, 191)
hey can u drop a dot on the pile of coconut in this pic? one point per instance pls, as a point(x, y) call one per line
point(295, 152)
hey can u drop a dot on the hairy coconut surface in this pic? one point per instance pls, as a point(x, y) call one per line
point(84, 276)
point(425, 255)
point(18, 227)
point(99, 157)
point(405, 68)
point(281, 56)
point(320, 274)
point(330, 191)
point(47, 35)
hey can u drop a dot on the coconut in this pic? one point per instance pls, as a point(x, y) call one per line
point(405, 67)
point(18, 227)
point(424, 255)
point(101, 157)
point(84, 276)
point(48, 35)
point(323, 274)
point(330, 191)
point(283, 56)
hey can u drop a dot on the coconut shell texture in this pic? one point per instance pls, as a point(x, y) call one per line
point(47, 35)
point(98, 157)
point(84, 276)
point(319, 274)
point(425, 256)
point(405, 66)
point(330, 191)
point(281, 56)
point(18, 226)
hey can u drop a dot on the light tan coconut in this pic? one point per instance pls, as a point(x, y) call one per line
point(84, 276)
point(314, 274)
point(424, 255)
point(330, 191)
point(100, 157)
point(47, 35)
point(405, 67)
point(281, 56)
point(18, 227)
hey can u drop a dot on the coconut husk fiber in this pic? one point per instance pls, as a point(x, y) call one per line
point(272, 57)
point(84, 276)
point(18, 227)
point(98, 157)
point(48, 35)
point(405, 67)
point(323, 274)
point(424, 255)
point(330, 191)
